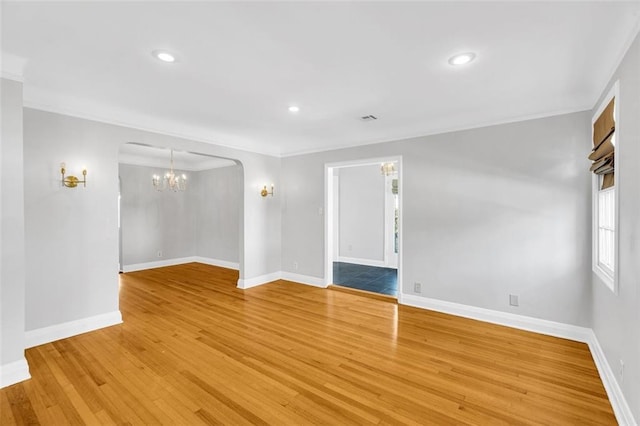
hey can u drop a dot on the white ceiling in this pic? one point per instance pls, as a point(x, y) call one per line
point(240, 65)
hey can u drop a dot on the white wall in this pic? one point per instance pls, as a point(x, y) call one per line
point(72, 235)
point(616, 318)
point(13, 367)
point(153, 221)
point(361, 213)
point(218, 206)
point(486, 213)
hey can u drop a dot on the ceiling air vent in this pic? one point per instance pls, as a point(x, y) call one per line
point(368, 118)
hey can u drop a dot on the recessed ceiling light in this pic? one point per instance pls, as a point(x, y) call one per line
point(462, 59)
point(164, 56)
point(293, 108)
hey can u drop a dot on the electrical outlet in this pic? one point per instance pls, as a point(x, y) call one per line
point(621, 371)
point(295, 266)
point(513, 300)
point(159, 253)
point(417, 288)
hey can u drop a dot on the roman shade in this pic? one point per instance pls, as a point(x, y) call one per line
point(603, 152)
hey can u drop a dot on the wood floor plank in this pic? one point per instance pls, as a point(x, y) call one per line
point(194, 349)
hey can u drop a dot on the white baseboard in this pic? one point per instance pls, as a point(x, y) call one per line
point(245, 283)
point(618, 402)
point(621, 408)
point(180, 261)
point(40, 336)
point(217, 262)
point(366, 262)
point(304, 279)
point(157, 264)
point(14, 372)
point(551, 328)
point(281, 275)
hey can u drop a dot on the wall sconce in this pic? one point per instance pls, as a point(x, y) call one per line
point(264, 191)
point(72, 181)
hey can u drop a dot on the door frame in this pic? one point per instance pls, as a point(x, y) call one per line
point(329, 207)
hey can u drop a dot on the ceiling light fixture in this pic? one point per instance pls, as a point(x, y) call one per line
point(462, 59)
point(294, 108)
point(164, 56)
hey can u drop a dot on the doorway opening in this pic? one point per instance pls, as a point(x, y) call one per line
point(363, 225)
point(160, 225)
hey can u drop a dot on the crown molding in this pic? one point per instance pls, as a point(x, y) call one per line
point(58, 103)
point(154, 162)
point(616, 64)
point(444, 130)
point(12, 67)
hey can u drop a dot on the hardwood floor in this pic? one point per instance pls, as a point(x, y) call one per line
point(193, 349)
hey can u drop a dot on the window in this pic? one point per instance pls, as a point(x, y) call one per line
point(606, 230)
point(604, 195)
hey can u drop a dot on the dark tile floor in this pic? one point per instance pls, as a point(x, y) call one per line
point(369, 278)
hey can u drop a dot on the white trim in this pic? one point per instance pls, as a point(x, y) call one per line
point(12, 67)
point(366, 262)
point(551, 328)
point(607, 279)
point(60, 104)
point(217, 262)
point(57, 103)
point(14, 372)
point(43, 335)
point(133, 160)
point(245, 283)
point(441, 130)
point(330, 230)
point(621, 55)
point(180, 261)
point(304, 279)
point(14, 77)
point(157, 264)
point(363, 162)
point(618, 402)
point(329, 256)
point(390, 256)
point(281, 275)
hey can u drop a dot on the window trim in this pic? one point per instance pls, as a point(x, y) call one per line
point(611, 281)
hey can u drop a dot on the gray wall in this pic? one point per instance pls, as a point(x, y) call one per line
point(202, 221)
point(361, 212)
point(72, 235)
point(616, 318)
point(155, 221)
point(12, 254)
point(218, 206)
point(486, 213)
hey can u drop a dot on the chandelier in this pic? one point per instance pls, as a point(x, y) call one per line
point(170, 180)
